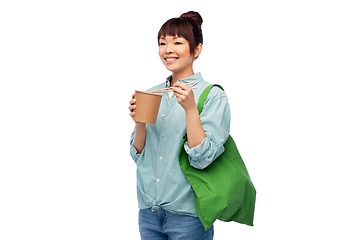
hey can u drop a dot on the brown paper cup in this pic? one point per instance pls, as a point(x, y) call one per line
point(147, 106)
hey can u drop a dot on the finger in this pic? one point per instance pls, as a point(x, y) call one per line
point(132, 107)
point(179, 96)
point(181, 85)
point(186, 91)
point(179, 90)
point(132, 101)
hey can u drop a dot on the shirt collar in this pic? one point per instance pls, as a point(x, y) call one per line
point(194, 78)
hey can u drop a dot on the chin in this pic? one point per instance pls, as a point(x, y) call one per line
point(170, 68)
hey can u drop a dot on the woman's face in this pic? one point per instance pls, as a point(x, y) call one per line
point(175, 54)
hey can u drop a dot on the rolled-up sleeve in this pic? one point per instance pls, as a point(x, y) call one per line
point(215, 119)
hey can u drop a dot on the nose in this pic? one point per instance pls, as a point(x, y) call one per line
point(168, 49)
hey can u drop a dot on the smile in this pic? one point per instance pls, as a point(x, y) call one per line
point(170, 60)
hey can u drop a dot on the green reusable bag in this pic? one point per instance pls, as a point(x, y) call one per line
point(224, 189)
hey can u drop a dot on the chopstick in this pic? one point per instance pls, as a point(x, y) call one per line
point(169, 89)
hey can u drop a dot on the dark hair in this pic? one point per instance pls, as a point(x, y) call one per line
point(187, 26)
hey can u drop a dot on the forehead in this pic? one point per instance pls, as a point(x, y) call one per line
point(168, 37)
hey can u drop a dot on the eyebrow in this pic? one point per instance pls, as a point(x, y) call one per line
point(175, 37)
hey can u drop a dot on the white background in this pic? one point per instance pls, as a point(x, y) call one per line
point(68, 69)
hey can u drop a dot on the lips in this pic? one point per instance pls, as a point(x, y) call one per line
point(170, 60)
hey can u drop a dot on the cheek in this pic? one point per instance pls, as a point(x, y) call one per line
point(161, 54)
point(185, 53)
point(186, 56)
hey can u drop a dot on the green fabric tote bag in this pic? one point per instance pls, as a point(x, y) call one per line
point(224, 189)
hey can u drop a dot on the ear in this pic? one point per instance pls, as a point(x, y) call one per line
point(198, 50)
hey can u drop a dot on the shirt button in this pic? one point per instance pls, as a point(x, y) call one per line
point(157, 180)
point(163, 115)
point(160, 158)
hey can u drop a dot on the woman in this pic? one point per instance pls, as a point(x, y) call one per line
point(165, 197)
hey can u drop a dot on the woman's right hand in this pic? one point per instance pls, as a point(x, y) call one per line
point(140, 129)
point(132, 106)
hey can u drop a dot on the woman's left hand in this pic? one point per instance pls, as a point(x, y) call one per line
point(184, 95)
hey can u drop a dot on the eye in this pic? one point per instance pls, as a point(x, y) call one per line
point(162, 44)
point(178, 43)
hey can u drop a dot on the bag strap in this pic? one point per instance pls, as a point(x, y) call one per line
point(204, 96)
point(202, 100)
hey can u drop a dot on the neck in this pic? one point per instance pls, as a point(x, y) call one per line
point(176, 76)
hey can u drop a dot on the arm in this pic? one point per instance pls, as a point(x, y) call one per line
point(140, 128)
point(215, 120)
point(194, 129)
point(207, 135)
point(140, 137)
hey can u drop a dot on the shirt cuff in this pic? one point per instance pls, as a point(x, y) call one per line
point(196, 152)
point(134, 153)
point(202, 155)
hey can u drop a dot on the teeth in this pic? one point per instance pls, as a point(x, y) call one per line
point(170, 59)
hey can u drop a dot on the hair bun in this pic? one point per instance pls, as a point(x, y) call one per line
point(194, 16)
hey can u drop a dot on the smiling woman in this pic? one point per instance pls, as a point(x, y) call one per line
point(177, 38)
point(174, 53)
point(187, 26)
point(165, 196)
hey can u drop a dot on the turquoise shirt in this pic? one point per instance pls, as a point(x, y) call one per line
point(160, 180)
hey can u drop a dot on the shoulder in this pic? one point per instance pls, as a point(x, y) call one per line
point(215, 92)
point(216, 103)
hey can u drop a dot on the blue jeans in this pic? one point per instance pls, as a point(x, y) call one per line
point(161, 224)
